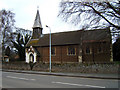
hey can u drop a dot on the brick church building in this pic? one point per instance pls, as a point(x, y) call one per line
point(67, 47)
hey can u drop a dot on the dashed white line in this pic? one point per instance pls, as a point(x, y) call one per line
point(20, 78)
point(79, 85)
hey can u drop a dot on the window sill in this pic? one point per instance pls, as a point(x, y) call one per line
point(71, 55)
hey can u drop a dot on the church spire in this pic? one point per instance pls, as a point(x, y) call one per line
point(37, 21)
point(37, 27)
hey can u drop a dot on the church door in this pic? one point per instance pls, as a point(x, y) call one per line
point(31, 58)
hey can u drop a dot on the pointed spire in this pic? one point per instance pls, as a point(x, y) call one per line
point(37, 22)
point(37, 7)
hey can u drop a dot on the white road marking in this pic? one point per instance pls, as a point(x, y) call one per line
point(78, 84)
point(20, 78)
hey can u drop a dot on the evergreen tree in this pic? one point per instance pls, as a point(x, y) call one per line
point(20, 44)
point(7, 51)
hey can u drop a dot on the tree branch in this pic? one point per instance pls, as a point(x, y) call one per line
point(97, 12)
point(109, 12)
point(118, 12)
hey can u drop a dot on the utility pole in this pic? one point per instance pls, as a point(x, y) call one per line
point(50, 48)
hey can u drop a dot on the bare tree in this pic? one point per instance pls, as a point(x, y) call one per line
point(6, 26)
point(91, 14)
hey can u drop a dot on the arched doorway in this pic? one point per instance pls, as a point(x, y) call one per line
point(31, 58)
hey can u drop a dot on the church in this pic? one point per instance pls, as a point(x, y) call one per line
point(81, 46)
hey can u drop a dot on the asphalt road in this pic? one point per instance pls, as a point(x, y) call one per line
point(22, 80)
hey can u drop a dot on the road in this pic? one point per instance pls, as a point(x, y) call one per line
point(23, 80)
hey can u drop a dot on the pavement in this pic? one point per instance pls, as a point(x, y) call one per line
point(82, 75)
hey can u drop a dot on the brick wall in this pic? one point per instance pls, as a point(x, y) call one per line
point(99, 57)
point(60, 54)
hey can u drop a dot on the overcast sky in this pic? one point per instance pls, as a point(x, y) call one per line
point(25, 12)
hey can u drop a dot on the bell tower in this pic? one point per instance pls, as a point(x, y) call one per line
point(37, 27)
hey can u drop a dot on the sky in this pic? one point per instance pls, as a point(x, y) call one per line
point(25, 12)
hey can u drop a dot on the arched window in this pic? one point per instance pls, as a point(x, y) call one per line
point(31, 58)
